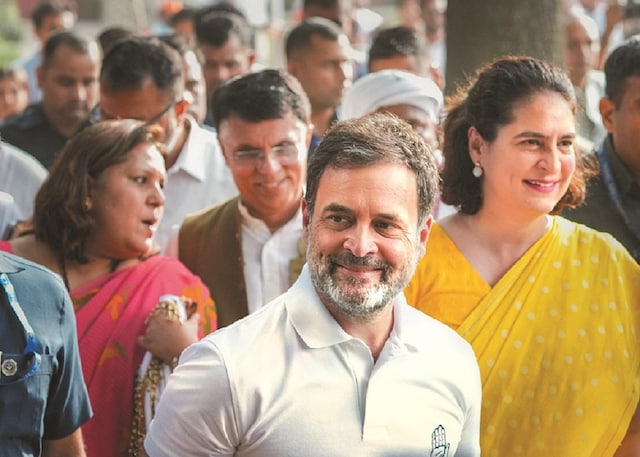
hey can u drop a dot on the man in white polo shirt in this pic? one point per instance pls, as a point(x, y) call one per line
point(339, 365)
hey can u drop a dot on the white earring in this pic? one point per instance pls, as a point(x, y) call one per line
point(477, 170)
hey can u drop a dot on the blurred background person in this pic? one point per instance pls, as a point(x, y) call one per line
point(94, 221)
point(194, 84)
point(613, 200)
point(68, 78)
point(318, 55)
point(14, 92)
point(21, 175)
point(225, 42)
point(109, 36)
point(400, 48)
point(414, 99)
point(47, 18)
point(581, 56)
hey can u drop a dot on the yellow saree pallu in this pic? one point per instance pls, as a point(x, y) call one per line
point(556, 339)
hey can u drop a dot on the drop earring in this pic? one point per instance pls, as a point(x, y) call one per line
point(477, 170)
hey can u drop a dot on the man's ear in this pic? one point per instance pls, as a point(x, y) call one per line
point(181, 108)
point(251, 56)
point(607, 107)
point(310, 129)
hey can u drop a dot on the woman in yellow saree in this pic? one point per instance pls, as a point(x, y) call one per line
point(551, 307)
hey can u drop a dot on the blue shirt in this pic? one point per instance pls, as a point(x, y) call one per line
point(53, 402)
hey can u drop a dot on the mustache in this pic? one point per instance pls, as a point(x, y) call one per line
point(347, 258)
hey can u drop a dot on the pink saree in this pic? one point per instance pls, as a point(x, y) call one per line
point(110, 314)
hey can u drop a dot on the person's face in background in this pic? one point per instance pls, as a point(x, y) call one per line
point(54, 23)
point(148, 104)
point(623, 123)
point(224, 62)
point(582, 50)
point(418, 119)
point(324, 71)
point(340, 13)
point(69, 85)
point(14, 95)
point(194, 84)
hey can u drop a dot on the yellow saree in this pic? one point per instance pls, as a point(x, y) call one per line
point(556, 339)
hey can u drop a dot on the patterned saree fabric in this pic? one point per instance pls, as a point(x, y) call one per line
point(556, 339)
point(111, 313)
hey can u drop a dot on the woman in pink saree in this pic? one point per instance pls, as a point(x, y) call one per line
point(94, 223)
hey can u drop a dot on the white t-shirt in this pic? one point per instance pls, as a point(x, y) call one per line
point(200, 178)
point(289, 381)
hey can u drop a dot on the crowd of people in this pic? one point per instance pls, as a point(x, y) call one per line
point(201, 254)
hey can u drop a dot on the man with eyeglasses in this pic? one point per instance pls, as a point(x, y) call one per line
point(143, 78)
point(43, 397)
point(248, 250)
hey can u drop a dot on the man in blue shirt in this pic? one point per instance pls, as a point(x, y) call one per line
point(43, 398)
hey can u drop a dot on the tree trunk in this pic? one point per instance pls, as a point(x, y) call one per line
point(479, 31)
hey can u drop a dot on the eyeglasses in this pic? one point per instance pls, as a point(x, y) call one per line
point(285, 154)
point(98, 115)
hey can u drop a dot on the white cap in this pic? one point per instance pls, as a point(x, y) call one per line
point(391, 87)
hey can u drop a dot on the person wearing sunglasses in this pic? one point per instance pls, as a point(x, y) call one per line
point(43, 396)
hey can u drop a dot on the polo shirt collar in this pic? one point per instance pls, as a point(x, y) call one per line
point(317, 327)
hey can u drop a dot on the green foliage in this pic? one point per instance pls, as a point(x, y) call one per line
point(10, 32)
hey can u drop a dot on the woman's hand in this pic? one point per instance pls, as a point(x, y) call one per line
point(166, 338)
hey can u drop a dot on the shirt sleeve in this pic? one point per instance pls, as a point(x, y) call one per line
point(196, 414)
point(469, 445)
point(68, 404)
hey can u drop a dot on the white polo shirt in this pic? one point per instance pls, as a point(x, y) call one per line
point(200, 178)
point(289, 381)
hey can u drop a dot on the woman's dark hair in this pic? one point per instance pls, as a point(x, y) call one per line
point(487, 104)
point(61, 218)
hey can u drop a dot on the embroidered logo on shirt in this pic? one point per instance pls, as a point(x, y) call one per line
point(439, 445)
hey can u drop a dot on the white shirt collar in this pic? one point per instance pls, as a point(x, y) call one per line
point(192, 155)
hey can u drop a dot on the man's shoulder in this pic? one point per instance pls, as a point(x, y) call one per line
point(28, 272)
point(32, 117)
point(15, 158)
point(424, 332)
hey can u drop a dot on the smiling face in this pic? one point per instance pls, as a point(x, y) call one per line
point(363, 237)
point(126, 202)
point(528, 167)
point(271, 190)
